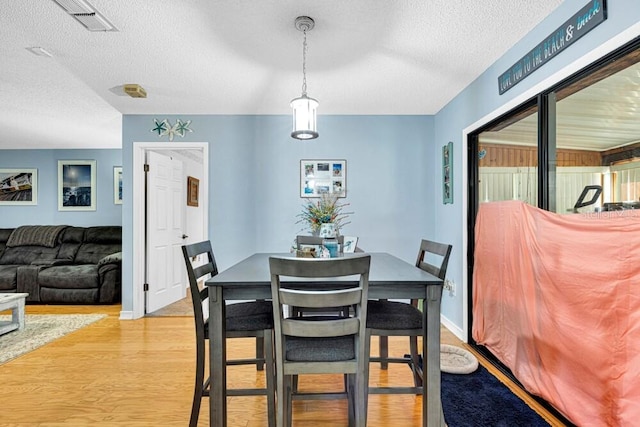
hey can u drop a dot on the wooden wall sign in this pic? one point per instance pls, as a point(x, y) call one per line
point(585, 20)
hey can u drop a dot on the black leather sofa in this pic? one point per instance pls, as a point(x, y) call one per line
point(62, 264)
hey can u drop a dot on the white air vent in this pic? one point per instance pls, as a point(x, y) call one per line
point(135, 91)
point(86, 14)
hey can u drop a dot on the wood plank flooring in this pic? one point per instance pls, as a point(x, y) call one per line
point(140, 373)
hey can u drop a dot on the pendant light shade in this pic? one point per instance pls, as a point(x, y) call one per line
point(304, 118)
point(304, 108)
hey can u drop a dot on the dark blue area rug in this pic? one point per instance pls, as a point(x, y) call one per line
point(479, 399)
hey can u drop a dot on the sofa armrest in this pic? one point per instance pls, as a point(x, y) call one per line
point(111, 259)
point(51, 262)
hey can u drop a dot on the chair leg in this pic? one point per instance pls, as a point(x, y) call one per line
point(270, 372)
point(384, 352)
point(198, 390)
point(351, 399)
point(288, 402)
point(415, 362)
point(260, 354)
point(281, 391)
point(362, 396)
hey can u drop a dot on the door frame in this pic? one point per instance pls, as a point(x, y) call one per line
point(139, 251)
point(469, 188)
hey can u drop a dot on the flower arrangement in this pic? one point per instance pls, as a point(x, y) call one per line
point(326, 210)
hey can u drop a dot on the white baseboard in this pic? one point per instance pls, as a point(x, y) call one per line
point(126, 315)
point(453, 328)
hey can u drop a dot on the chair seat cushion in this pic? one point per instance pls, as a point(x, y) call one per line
point(393, 315)
point(250, 316)
point(332, 349)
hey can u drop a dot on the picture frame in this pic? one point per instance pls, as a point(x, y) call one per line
point(77, 185)
point(350, 243)
point(447, 173)
point(321, 176)
point(117, 185)
point(18, 187)
point(193, 187)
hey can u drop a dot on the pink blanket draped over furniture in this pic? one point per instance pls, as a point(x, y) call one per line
point(557, 299)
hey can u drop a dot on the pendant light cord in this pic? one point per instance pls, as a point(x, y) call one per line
point(304, 64)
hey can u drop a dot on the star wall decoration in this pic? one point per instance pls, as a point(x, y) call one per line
point(161, 127)
point(164, 128)
point(181, 128)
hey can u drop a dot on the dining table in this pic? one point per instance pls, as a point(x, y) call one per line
point(389, 278)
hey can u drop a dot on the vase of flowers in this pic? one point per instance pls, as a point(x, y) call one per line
point(324, 211)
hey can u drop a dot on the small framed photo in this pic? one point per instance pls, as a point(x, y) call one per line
point(447, 173)
point(193, 186)
point(319, 177)
point(350, 243)
point(18, 187)
point(77, 185)
point(117, 185)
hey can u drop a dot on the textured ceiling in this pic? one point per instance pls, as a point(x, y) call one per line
point(241, 57)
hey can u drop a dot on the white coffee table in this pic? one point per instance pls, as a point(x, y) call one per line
point(14, 302)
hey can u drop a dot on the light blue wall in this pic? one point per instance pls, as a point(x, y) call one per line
point(481, 98)
point(254, 180)
point(393, 163)
point(46, 211)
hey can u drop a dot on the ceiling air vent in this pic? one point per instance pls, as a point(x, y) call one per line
point(135, 91)
point(86, 14)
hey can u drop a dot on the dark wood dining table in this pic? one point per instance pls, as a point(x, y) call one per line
point(390, 277)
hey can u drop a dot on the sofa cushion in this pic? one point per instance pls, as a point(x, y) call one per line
point(73, 235)
point(25, 255)
point(69, 277)
point(70, 242)
point(98, 243)
point(4, 236)
point(8, 277)
point(70, 296)
point(104, 234)
point(36, 235)
point(92, 253)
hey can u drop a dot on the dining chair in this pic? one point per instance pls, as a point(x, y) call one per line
point(320, 344)
point(301, 242)
point(395, 318)
point(246, 319)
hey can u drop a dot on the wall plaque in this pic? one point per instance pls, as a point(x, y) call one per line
point(585, 20)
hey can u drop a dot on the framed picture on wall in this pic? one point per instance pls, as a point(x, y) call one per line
point(447, 173)
point(18, 187)
point(319, 177)
point(193, 187)
point(117, 185)
point(77, 185)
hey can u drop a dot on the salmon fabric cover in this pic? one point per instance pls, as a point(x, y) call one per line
point(557, 299)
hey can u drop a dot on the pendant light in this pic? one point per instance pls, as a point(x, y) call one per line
point(304, 108)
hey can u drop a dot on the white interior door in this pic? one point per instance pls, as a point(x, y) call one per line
point(166, 274)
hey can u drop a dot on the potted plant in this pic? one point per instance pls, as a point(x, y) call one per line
point(324, 211)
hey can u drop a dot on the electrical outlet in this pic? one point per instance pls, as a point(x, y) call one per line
point(450, 286)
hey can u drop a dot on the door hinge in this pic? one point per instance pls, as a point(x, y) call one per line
point(145, 287)
point(146, 167)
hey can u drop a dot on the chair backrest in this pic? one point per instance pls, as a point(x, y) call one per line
point(302, 241)
point(209, 267)
point(434, 248)
point(306, 295)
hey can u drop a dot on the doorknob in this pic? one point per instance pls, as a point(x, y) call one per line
point(184, 236)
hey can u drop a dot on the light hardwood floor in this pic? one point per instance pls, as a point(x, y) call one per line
point(140, 373)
